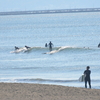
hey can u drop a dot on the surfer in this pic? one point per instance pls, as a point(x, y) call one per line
point(99, 45)
point(50, 46)
point(46, 45)
point(16, 48)
point(27, 47)
point(87, 73)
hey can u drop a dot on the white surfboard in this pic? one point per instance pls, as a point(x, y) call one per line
point(29, 49)
point(19, 50)
point(82, 78)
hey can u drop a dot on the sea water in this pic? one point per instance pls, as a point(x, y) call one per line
point(75, 37)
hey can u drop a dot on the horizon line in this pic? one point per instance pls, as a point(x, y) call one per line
point(74, 10)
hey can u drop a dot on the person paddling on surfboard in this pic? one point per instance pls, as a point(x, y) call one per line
point(87, 72)
point(16, 48)
point(50, 46)
point(27, 47)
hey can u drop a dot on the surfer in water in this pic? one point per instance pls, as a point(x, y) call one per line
point(99, 45)
point(50, 46)
point(16, 48)
point(46, 45)
point(87, 73)
point(27, 47)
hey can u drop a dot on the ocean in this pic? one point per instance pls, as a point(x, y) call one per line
point(75, 38)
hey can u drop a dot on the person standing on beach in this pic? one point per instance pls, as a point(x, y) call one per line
point(50, 46)
point(87, 73)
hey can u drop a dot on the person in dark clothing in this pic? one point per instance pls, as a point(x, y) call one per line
point(27, 47)
point(16, 48)
point(99, 45)
point(50, 46)
point(87, 73)
point(46, 45)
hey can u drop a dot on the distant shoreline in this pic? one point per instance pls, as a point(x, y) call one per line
point(51, 11)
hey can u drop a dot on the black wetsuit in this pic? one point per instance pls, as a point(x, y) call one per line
point(50, 46)
point(16, 48)
point(46, 45)
point(87, 78)
point(99, 45)
point(27, 47)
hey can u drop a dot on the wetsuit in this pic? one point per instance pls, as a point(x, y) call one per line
point(16, 48)
point(87, 78)
point(27, 47)
point(46, 45)
point(99, 45)
point(50, 46)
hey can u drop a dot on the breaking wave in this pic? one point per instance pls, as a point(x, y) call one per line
point(45, 50)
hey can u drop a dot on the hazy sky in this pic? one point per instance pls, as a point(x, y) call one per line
point(24, 5)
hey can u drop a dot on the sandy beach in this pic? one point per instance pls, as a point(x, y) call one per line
point(24, 91)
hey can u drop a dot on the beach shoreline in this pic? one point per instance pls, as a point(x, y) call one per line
point(26, 91)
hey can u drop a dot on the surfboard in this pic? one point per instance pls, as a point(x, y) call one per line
point(19, 50)
point(29, 49)
point(82, 78)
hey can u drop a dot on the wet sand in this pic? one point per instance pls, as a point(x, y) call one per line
point(25, 91)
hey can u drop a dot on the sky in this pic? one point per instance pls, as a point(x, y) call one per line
point(26, 5)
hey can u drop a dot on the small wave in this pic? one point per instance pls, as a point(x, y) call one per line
point(55, 49)
point(37, 80)
point(68, 48)
point(24, 50)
